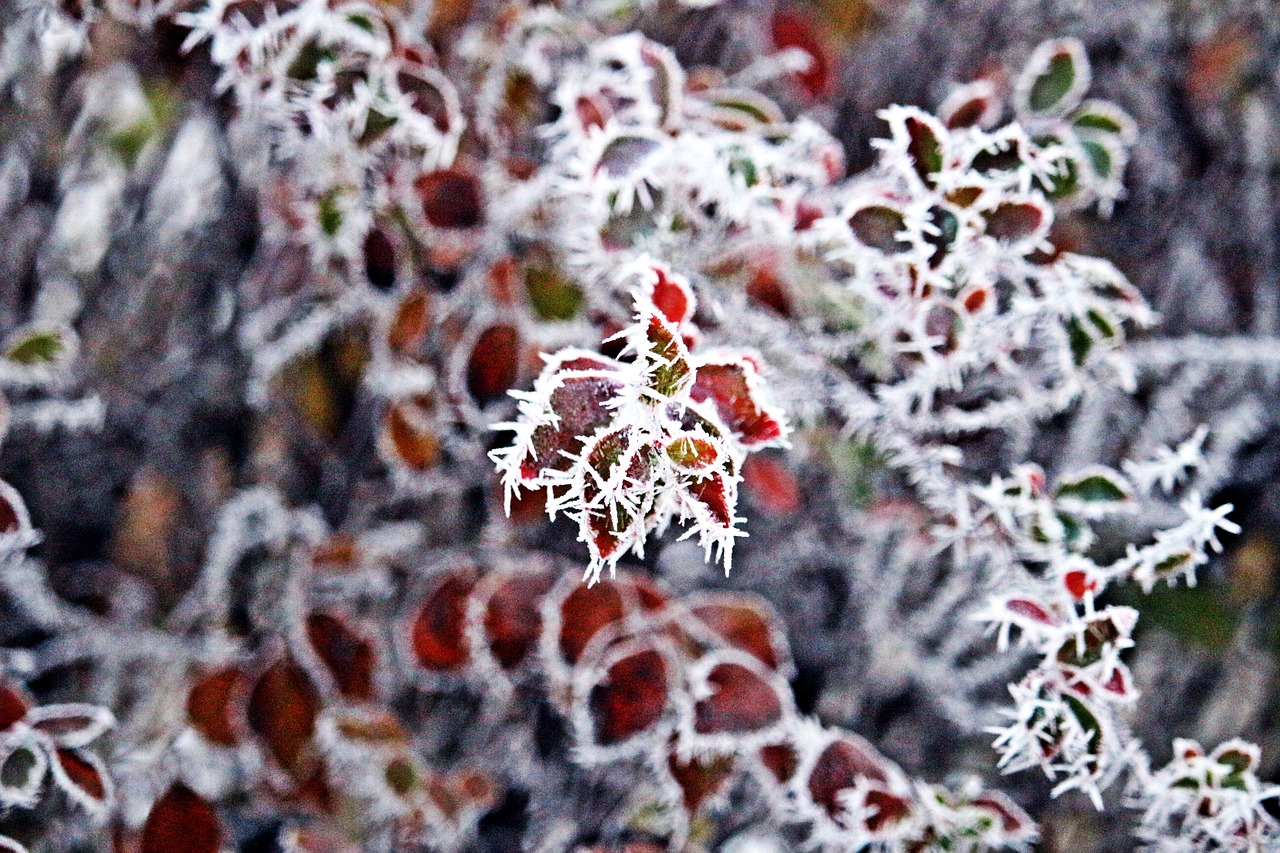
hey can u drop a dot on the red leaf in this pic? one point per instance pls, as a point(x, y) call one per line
point(781, 760)
point(81, 776)
point(710, 492)
point(70, 725)
point(672, 297)
point(407, 333)
point(793, 29)
point(700, 778)
point(1012, 221)
point(584, 612)
point(410, 440)
point(1031, 610)
point(746, 623)
point(181, 822)
point(890, 808)
point(512, 617)
point(494, 365)
point(282, 712)
point(379, 260)
point(13, 705)
point(209, 706)
point(771, 485)
point(439, 640)
point(630, 699)
point(450, 199)
point(727, 386)
point(1012, 818)
point(742, 702)
point(350, 658)
point(839, 767)
point(579, 404)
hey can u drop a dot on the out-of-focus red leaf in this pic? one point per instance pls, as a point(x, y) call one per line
point(282, 712)
point(350, 658)
point(439, 640)
point(181, 821)
point(630, 699)
point(742, 701)
point(494, 365)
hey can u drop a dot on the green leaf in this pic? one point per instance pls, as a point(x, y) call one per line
point(553, 295)
point(1095, 487)
point(42, 347)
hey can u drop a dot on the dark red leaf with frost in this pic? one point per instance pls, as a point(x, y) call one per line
point(209, 706)
point(838, 768)
point(13, 705)
point(624, 155)
point(700, 778)
point(69, 725)
point(1012, 818)
point(181, 821)
point(1012, 221)
point(494, 365)
point(710, 492)
point(742, 701)
point(744, 623)
point(439, 639)
point(584, 612)
point(512, 617)
point(890, 808)
point(781, 761)
point(350, 658)
point(83, 775)
point(579, 403)
point(450, 199)
point(630, 699)
point(1030, 610)
point(924, 148)
point(968, 113)
point(648, 595)
point(282, 712)
point(727, 387)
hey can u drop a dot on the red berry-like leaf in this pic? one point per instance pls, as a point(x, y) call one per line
point(494, 365)
point(450, 199)
point(209, 706)
point(350, 658)
point(839, 767)
point(13, 705)
point(742, 701)
point(439, 640)
point(728, 386)
point(745, 622)
point(630, 699)
point(282, 712)
point(181, 822)
point(512, 617)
